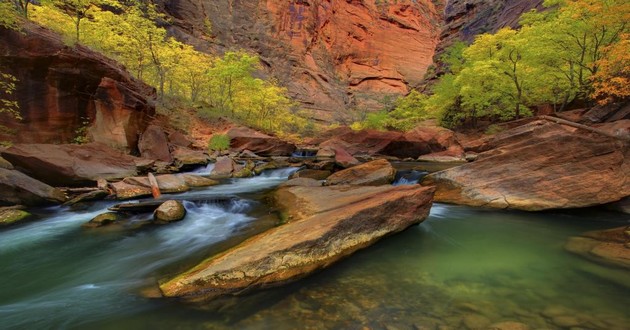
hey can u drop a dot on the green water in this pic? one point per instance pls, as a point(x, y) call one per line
point(462, 268)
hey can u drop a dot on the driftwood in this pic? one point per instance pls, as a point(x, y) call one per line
point(150, 206)
point(155, 188)
point(584, 127)
point(81, 190)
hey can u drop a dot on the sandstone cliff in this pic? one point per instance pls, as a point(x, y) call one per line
point(332, 55)
point(68, 91)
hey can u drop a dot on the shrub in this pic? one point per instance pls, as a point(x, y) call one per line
point(219, 142)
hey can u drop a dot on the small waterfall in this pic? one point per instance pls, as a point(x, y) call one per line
point(204, 170)
point(302, 153)
point(409, 177)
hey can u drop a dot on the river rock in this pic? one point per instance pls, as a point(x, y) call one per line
point(17, 188)
point(374, 173)
point(537, 167)
point(197, 181)
point(125, 190)
point(243, 138)
point(10, 216)
point(223, 168)
point(608, 247)
point(71, 164)
point(153, 144)
point(102, 220)
point(170, 211)
point(341, 221)
point(187, 157)
point(508, 325)
point(168, 183)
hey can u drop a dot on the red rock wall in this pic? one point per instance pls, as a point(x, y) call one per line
point(332, 55)
point(64, 89)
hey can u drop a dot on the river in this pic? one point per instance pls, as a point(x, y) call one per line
point(460, 268)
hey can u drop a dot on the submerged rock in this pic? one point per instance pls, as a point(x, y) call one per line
point(338, 221)
point(102, 220)
point(17, 188)
point(170, 211)
point(374, 173)
point(540, 166)
point(608, 247)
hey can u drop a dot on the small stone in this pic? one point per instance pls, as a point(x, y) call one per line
point(170, 211)
point(475, 321)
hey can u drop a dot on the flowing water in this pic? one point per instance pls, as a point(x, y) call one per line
point(462, 268)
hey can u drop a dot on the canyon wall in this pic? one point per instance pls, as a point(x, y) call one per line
point(333, 56)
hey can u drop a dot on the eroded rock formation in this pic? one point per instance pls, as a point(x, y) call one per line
point(68, 92)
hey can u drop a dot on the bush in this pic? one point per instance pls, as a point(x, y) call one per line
point(219, 142)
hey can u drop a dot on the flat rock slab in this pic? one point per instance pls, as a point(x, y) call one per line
point(608, 247)
point(18, 188)
point(374, 173)
point(294, 250)
point(540, 166)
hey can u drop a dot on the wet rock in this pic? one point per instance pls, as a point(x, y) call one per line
point(153, 144)
point(310, 174)
point(170, 211)
point(223, 168)
point(11, 216)
point(168, 183)
point(475, 321)
point(303, 182)
point(272, 165)
point(71, 164)
point(322, 236)
point(243, 138)
point(374, 173)
point(197, 181)
point(102, 220)
point(124, 190)
point(607, 247)
point(244, 171)
point(17, 188)
point(87, 197)
point(540, 166)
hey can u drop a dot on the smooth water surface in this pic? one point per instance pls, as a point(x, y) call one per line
point(462, 268)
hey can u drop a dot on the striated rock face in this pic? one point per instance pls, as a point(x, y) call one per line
point(332, 55)
point(540, 166)
point(62, 90)
point(335, 222)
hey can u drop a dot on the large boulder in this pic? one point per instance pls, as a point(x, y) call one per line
point(374, 173)
point(540, 166)
point(243, 138)
point(335, 222)
point(153, 144)
point(17, 188)
point(419, 141)
point(70, 164)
